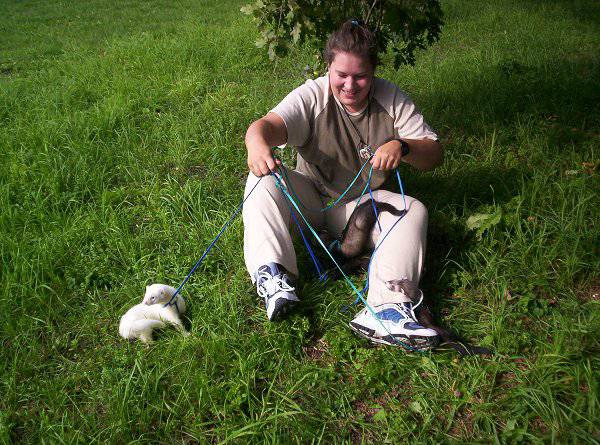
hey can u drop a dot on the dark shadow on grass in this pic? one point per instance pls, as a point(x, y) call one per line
point(582, 10)
point(467, 190)
point(513, 92)
point(559, 106)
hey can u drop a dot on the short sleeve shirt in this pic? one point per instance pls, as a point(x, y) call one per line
point(328, 138)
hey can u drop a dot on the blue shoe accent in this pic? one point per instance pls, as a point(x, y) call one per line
point(392, 315)
point(412, 325)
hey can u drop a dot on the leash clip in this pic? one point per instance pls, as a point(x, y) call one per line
point(366, 152)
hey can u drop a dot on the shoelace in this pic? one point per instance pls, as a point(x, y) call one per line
point(410, 313)
point(407, 311)
point(419, 302)
point(268, 285)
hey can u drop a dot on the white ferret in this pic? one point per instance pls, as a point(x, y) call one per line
point(151, 313)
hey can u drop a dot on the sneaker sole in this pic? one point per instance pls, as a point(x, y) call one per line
point(418, 342)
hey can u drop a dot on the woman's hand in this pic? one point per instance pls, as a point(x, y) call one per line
point(261, 161)
point(424, 155)
point(269, 131)
point(388, 156)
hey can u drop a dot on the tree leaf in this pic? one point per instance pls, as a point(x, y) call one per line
point(271, 51)
point(260, 42)
point(403, 27)
point(484, 221)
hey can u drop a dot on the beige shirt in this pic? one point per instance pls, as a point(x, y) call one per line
point(329, 145)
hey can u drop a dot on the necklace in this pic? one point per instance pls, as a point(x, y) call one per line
point(364, 148)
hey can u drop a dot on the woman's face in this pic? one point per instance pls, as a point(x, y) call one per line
point(350, 78)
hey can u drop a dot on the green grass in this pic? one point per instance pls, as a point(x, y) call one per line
point(121, 156)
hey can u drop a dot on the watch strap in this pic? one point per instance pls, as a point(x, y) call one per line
point(405, 147)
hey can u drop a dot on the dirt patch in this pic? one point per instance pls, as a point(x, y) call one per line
point(539, 426)
point(462, 424)
point(523, 363)
point(366, 408)
point(506, 380)
point(590, 292)
point(196, 171)
point(316, 351)
point(361, 437)
point(370, 406)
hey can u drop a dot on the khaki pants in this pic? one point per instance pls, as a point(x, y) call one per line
point(267, 237)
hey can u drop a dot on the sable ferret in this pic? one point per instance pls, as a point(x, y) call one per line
point(352, 251)
point(358, 229)
point(151, 313)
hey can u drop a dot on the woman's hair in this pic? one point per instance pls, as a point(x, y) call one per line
point(352, 37)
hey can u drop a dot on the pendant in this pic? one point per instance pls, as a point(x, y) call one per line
point(365, 152)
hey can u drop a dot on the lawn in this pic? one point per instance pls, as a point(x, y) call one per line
point(122, 155)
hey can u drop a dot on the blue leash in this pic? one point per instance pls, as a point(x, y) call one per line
point(321, 274)
point(170, 302)
point(293, 203)
point(404, 212)
point(282, 187)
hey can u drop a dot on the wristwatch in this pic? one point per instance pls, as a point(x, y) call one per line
point(405, 147)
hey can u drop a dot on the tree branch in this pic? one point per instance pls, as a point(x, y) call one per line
point(370, 11)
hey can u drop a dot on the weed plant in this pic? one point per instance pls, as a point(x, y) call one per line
point(121, 156)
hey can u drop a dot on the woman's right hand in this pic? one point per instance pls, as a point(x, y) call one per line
point(261, 161)
point(269, 131)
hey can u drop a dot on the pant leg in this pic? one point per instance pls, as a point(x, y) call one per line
point(267, 218)
point(401, 254)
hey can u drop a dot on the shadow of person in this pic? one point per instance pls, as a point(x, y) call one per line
point(501, 129)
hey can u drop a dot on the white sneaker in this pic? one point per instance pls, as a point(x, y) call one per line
point(394, 324)
point(273, 285)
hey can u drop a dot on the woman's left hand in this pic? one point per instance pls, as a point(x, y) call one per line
point(388, 156)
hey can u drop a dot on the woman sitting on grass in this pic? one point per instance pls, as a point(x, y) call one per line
point(336, 122)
